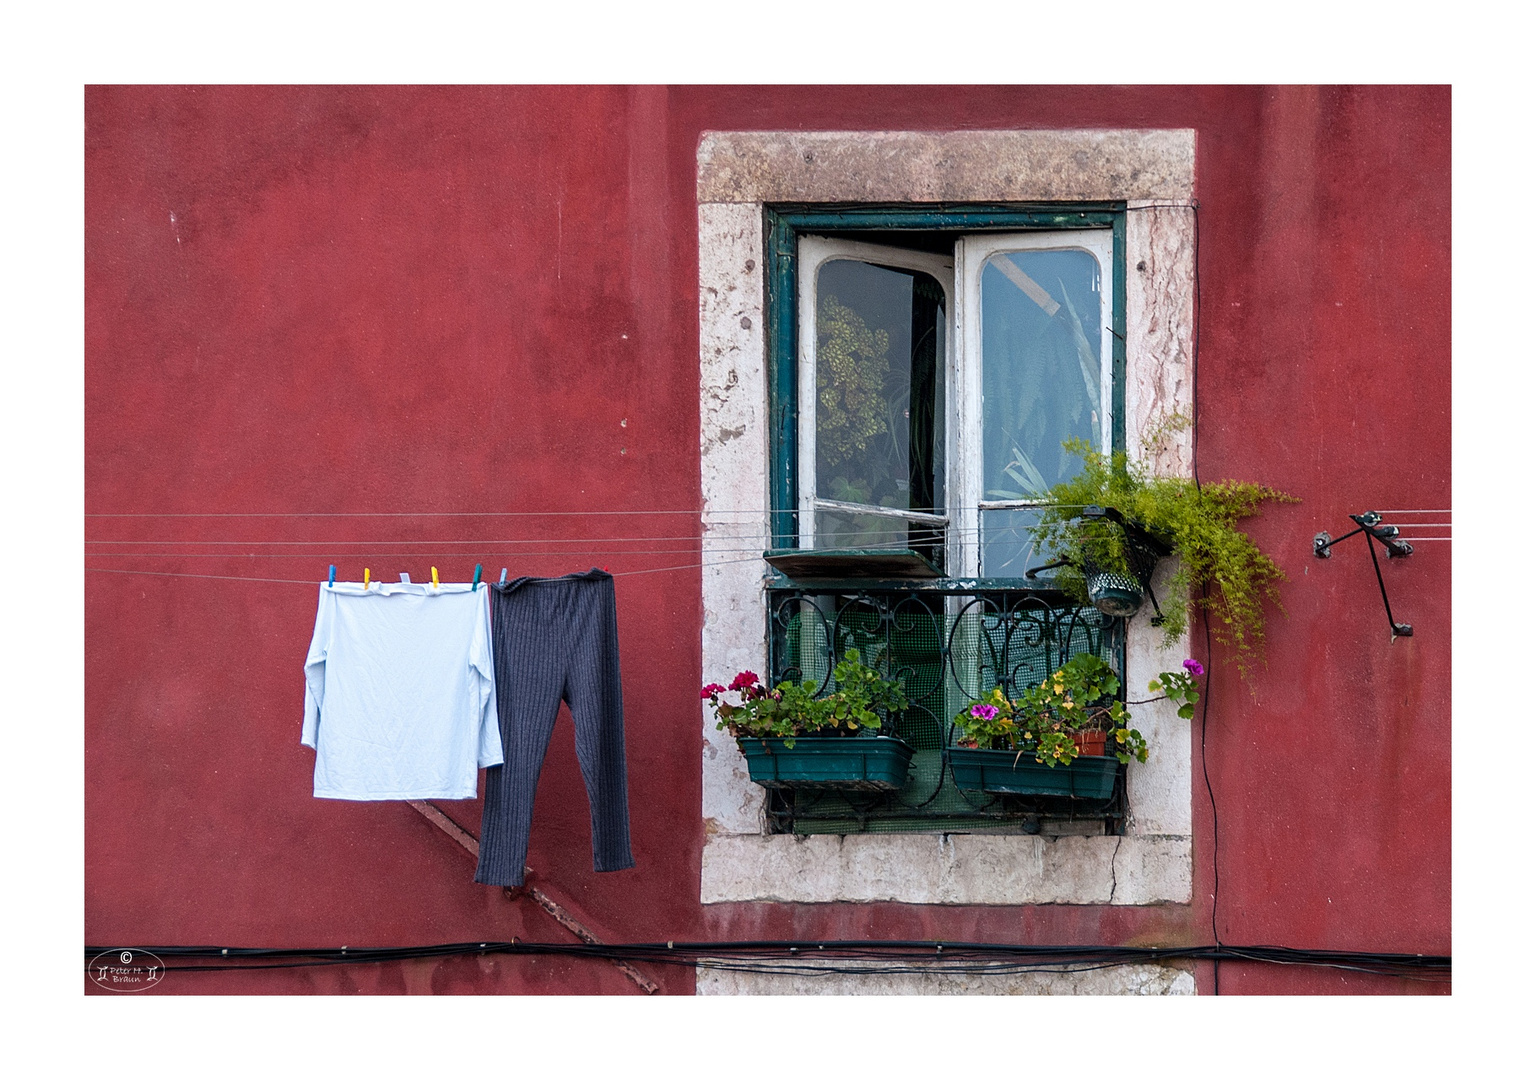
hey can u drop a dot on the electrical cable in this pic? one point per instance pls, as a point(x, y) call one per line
point(1205, 619)
point(819, 958)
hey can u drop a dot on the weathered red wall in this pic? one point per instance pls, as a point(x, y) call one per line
point(468, 300)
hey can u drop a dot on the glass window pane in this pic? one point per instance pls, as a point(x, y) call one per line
point(836, 528)
point(839, 529)
point(1042, 315)
point(879, 386)
point(1008, 542)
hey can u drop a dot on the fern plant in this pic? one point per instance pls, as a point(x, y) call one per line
point(1220, 568)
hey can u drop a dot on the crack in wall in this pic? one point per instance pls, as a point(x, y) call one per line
point(1114, 881)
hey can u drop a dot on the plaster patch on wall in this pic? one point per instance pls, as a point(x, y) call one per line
point(946, 978)
point(1159, 788)
point(733, 449)
point(1159, 319)
point(737, 172)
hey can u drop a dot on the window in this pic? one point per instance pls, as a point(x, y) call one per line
point(933, 375)
point(996, 184)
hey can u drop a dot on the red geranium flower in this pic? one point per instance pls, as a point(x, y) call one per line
point(744, 681)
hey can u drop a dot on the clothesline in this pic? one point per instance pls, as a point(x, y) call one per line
point(696, 511)
point(335, 553)
point(312, 581)
point(897, 532)
point(749, 517)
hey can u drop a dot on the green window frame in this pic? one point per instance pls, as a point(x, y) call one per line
point(952, 611)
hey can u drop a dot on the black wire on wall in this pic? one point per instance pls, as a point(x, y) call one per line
point(817, 958)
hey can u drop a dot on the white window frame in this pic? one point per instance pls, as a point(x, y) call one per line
point(738, 174)
point(971, 255)
point(814, 252)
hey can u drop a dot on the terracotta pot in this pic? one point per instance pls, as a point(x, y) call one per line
point(1090, 743)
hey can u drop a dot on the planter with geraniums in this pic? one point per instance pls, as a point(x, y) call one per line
point(1052, 739)
point(793, 738)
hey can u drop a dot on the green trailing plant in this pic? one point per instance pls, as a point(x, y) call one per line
point(1078, 697)
point(791, 709)
point(1220, 568)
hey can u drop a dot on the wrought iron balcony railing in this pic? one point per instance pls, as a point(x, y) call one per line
point(949, 641)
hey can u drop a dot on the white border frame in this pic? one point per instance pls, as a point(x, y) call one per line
point(738, 172)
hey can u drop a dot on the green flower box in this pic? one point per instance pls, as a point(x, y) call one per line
point(1006, 772)
point(858, 763)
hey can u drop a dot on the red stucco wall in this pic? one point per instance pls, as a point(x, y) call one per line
point(344, 301)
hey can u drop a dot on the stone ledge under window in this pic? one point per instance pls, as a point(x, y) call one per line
point(1152, 980)
point(917, 868)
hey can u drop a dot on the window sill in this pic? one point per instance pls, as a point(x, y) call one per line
point(915, 868)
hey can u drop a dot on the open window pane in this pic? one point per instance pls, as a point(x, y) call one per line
point(1045, 379)
point(850, 529)
point(879, 337)
point(1041, 368)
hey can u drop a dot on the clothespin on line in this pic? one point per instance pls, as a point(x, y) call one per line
point(476, 584)
point(503, 575)
point(434, 577)
point(332, 581)
point(365, 579)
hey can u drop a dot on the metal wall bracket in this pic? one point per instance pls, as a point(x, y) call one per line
point(1370, 524)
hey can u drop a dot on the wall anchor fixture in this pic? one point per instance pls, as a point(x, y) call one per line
point(1386, 535)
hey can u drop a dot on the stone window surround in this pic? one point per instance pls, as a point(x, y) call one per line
point(1152, 171)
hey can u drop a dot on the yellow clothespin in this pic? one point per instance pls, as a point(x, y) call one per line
point(365, 579)
point(434, 577)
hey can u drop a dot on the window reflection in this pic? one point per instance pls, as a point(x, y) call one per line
point(879, 340)
point(1042, 379)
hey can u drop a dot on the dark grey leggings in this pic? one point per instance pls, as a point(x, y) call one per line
point(554, 639)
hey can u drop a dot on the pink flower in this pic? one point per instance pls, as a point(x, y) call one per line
point(984, 712)
point(711, 690)
point(745, 680)
point(1194, 667)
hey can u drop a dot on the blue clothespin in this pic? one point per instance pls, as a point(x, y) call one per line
point(476, 583)
point(332, 582)
point(503, 575)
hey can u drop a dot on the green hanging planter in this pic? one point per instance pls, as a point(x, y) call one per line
point(1006, 772)
point(1114, 594)
point(863, 763)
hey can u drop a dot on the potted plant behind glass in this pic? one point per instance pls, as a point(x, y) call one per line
point(793, 739)
point(1050, 739)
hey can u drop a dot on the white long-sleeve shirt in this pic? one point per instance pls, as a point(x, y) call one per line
point(400, 691)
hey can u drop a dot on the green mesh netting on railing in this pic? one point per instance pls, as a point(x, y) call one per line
point(946, 649)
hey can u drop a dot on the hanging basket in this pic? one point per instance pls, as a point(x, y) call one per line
point(1112, 593)
point(1122, 594)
